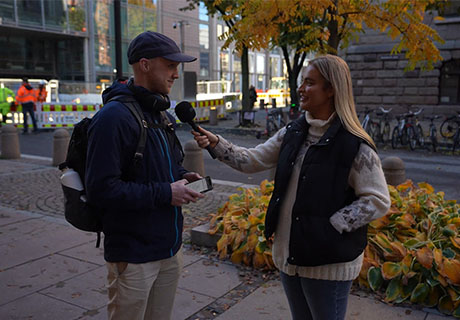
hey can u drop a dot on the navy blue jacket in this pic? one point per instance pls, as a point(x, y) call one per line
point(139, 223)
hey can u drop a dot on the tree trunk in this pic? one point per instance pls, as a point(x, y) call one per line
point(245, 82)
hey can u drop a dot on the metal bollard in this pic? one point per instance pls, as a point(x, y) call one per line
point(193, 159)
point(213, 116)
point(261, 104)
point(61, 138)
point(394, 170)
point(10, 142)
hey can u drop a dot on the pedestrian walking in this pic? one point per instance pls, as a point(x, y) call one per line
point(6, 99)
point(27, 96)
point(140, 205)
point(329, 185)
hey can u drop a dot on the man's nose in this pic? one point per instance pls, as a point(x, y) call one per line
point(176, 73)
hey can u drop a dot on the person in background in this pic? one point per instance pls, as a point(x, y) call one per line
point(252, 96)
point(6, 99)
point(27, 96)
point(41, 92)
point(329, 185)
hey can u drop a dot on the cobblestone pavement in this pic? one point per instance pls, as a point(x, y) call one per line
point(33, 185)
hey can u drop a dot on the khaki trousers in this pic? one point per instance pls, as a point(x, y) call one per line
point(143, 291)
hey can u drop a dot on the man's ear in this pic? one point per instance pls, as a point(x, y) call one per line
point(144, 65)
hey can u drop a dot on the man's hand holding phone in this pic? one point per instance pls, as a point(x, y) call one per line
point(181, 195)
point(202, 185)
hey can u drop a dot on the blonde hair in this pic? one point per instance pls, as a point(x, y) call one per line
point(336, 72)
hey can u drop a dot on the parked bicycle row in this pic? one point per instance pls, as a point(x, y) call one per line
point(409, 130)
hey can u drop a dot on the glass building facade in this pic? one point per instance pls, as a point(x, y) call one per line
point(70, 40)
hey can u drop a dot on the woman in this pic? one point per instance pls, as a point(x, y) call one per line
point(329, 185)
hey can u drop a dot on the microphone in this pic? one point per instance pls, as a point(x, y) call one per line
point(186, 113)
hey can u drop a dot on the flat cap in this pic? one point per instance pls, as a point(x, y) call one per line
point(151, 44)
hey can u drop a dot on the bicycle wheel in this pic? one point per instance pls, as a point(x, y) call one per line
point(456, 142)
point(395, 138)
point(434, 139)
point(420, 136)
point(448, 128)
point(386, 133)
point(412, 137)
point(374, 131)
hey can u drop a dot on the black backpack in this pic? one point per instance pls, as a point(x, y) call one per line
point(78, 212)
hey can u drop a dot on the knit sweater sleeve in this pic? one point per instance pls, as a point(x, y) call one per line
point(367, 179)
point(249, 160)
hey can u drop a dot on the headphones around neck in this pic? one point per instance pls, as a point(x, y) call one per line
point(157, 101)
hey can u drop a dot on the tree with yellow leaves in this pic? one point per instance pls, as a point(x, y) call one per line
point(221, 7)
point(325, 26)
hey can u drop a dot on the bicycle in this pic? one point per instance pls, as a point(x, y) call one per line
point(433, 134)
point(450, 129)
point(381, 129)
point(274, 122)
point(405, 132)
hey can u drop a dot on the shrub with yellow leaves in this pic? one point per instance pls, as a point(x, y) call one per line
point(241, 220)
point(413, 251)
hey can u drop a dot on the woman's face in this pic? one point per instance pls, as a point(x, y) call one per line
point(316, 96)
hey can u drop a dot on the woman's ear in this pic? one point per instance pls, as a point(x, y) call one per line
point(330, 92)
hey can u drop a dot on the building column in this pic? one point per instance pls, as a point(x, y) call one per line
point(89, 45)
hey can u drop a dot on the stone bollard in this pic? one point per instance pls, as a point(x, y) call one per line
point(394, 170)
point(61, 140)
point(193, 160)
point(213, 116)
point(10, 142)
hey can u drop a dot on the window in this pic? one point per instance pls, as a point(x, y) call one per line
point(449, 86)
point(7, 10)
point(204, 64)
point(452, 9)
point(204, 36)
point(275, 67)
point(252, 62)
point(219, 30)
point(77, 15)
point(29, 12)
point(236, 62)
point(135, 20)
point(260, 63)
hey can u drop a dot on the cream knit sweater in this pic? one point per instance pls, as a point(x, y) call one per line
point(366, 178)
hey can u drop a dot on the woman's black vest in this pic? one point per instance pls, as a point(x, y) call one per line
point(322, 190)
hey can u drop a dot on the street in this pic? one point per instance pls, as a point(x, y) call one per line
point(442, 170)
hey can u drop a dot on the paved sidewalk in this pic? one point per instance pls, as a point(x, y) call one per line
point(50, 270)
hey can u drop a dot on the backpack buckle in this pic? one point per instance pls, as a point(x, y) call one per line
point(144, 123)
point(138, 156)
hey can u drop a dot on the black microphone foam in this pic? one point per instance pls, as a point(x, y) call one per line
point(186, 113)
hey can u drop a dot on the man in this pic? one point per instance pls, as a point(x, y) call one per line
point(142, 219)
point(27, 97)
point(6, 98)
point(252, 96)
point(41, 92)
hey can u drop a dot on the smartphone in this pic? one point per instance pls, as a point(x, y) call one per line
point(202, 185)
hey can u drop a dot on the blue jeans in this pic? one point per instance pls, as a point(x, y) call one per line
point(316, 299)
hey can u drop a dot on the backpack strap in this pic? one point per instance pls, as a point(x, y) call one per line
point(136, 110)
